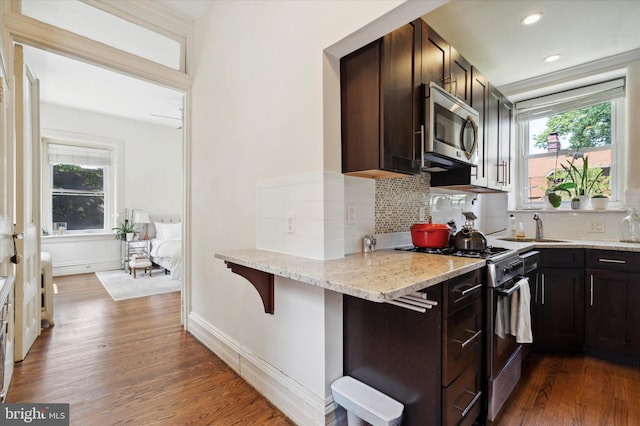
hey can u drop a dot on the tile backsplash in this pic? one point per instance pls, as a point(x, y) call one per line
point(398, 202)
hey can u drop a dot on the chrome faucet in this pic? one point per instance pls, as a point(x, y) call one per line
point(538, 226)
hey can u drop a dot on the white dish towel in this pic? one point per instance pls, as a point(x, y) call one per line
point(523, 319)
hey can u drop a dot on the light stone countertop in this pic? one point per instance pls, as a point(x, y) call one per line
point(388, 274)
point(378, 276)
point(564, 243)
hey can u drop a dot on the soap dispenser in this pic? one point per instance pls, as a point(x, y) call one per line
point(630, 227)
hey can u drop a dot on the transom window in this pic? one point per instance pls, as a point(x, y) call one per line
point(564, 129)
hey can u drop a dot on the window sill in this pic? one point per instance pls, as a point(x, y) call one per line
point(79, 237)
point(567, 210)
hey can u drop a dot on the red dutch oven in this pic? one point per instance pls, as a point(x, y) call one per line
point(430, 235)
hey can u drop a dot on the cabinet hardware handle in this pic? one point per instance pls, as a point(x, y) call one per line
point(621, 262)
point(537, 280)
point(591, 289)
point(413, 303)
point(469, 290)
point(543, 289)
point(418, 155)
point(470, 339)
point(465, 411)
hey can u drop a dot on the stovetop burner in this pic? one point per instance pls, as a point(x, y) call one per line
point(487, 253)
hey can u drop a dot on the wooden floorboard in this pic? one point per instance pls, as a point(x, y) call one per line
point(130, 362)
point(576, 390)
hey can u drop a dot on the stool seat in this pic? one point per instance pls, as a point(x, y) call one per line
point(140, 263)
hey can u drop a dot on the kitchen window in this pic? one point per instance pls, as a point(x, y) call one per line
point(77, 190)
point(588, 121)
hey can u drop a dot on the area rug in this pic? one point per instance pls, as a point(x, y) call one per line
point(121, 286)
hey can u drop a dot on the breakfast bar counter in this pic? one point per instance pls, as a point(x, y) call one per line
point(377, 276)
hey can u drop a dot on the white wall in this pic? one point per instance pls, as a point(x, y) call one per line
point(152, 157)
point(265, 109)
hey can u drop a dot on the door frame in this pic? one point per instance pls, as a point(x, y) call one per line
point(27, 31)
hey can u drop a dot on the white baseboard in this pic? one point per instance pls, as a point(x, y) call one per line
point(73, 268)
point(294, 400)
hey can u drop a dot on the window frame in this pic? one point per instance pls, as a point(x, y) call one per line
point(618, 145)
point(113, 178)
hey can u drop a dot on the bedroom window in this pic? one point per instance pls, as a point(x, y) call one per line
point(77, 189)
point(569, 126)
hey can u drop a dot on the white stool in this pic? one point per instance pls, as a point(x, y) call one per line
point(46, 287)
point(139, 263)
point(365, 404)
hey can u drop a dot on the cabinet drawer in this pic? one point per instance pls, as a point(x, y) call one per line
point(561, 258)
point(463, 290)
point(462, 346)
point(612, 260)
point(462, 401)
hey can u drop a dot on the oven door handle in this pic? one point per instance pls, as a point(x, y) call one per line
point(466, 409)
point(508, 292)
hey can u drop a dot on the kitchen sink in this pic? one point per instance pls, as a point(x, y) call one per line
point(532, 240)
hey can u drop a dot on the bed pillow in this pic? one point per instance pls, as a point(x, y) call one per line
point(168, 231)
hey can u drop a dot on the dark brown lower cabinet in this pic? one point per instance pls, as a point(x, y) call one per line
point(431, 362)
point(612, 314)
point(557, 301)
point(397, 351)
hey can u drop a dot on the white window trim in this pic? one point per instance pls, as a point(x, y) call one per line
point(115, 177)
point(618, 165)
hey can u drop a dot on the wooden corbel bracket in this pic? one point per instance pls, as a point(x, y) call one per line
point(262, 281)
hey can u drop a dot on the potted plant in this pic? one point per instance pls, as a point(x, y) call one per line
point(579, 181)
point(125, 229)
point(599, 202)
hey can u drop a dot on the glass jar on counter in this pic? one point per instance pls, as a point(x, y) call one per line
point(630, 227)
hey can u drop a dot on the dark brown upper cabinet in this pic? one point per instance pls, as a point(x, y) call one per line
point(499, 141)
point(443, 65)
point(480, 102)
point(381, 100)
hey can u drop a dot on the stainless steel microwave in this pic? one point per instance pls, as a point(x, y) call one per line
point(450, 138)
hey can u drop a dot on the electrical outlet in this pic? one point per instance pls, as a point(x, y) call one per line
point(596, 226)
point(351, 214)
point(291, 223)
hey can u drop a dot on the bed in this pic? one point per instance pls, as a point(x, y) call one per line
point(166, 245)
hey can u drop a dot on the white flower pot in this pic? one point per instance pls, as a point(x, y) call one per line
point(130, 236)
point(600, 203)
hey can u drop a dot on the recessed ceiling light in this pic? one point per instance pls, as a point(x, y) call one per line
point(531, 19)
point(552, 58)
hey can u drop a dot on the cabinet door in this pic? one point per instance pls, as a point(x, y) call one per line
point(360, 108)
point(492, 132)
point(499, 140)
point(558, 310)
point(460, 70)
point(479, 102)
point(612, 318)
point(436, 57)
point(402, 100)
point(505, 145)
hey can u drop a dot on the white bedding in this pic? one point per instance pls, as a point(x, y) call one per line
point(168, 254)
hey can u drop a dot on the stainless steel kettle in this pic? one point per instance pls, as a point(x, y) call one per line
point(469, 238)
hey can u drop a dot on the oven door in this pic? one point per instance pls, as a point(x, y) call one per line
point(504, 343)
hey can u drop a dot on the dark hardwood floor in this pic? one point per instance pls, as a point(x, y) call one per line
point(573, 390)
point(130, 362)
